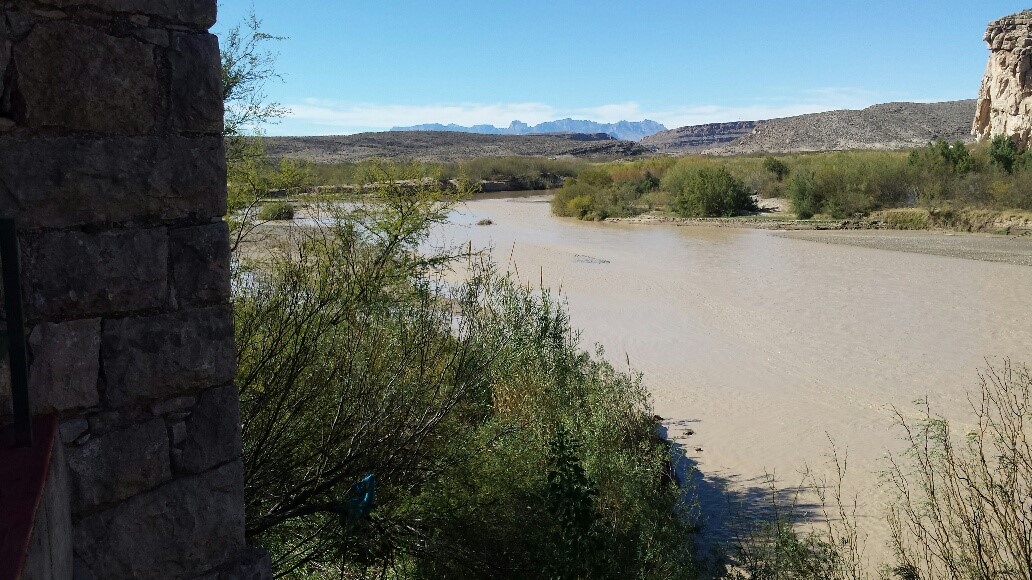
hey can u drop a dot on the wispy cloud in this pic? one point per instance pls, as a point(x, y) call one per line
point(325, 116)
point(378, 116)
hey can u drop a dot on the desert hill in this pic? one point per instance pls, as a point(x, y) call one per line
point(885, 126)
point(448, 146)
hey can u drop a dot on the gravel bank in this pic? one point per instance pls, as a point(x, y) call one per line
point(990, 248)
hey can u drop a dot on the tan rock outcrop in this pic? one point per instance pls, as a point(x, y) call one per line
point(1005, 100)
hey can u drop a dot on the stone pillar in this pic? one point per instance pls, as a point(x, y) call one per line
point(1005, 99)
point(112, 162)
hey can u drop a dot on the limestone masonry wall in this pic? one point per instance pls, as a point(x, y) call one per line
point(1005, 99)
point(111, 160)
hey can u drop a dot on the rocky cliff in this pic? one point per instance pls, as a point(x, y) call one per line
point(698, 137)
point(1005, 100)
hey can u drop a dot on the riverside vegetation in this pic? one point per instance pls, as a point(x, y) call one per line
point(498, 446)
point(949, 185)
point(943, 185)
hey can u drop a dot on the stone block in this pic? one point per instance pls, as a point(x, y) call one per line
point(105, 421)
point(6, 405)
point(200, 264)
point(119, 465)
point(212, 431)
point(253, 564)
point(155, 357)
point(196, 83)
point(19, 20)
point(65, 365)
point(77, 180)
point(179, 530)
point(152, 36)
point(198, 14)
point(76, 77)
point(174, 405)
point(5, 52)
point(177, 433)
point(72, 274)
point(72, 429)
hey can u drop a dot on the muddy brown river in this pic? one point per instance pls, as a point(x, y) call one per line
point(766, 346)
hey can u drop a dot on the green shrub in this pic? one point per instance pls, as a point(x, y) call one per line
point(709, 193)
point(941, 156)
point(500, 448)
point(775, 167)
point(1003, 153)
point(276, 211)
point(649, 182)
point(595, 195)
point(804, 195)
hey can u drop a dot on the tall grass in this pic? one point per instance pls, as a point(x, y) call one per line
point(963, 504)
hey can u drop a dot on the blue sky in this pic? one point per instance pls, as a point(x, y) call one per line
point(366, 66)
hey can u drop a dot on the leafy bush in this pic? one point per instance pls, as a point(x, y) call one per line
point(775, 167)
point(1003, 153)
point(499, 448)
point(276, 211)
point(595, 195)
point(708, 193)
point(804, 195)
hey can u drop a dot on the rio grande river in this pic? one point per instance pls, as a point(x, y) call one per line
point(765, 345)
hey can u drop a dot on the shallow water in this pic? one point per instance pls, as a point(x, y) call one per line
point(766, 346)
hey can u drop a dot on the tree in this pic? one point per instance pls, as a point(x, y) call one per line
point(247, 65)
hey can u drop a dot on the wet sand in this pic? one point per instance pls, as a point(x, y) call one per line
point(766, 344)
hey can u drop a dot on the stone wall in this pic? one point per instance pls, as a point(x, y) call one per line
point(111, 160)
point(1005, 99)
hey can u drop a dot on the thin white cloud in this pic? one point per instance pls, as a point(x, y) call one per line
point(313, 116)
point(329, 114)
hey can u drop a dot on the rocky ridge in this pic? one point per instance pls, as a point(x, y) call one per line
point(698, 137)
point(447, 146)
point(1005, 99)
point(885, 126)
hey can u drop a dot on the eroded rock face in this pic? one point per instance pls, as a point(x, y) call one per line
point(1005, 100)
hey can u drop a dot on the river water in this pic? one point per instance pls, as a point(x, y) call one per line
point(766, 346)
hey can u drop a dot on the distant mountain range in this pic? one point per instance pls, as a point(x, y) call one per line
point(886, 126)
point(625, 130)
